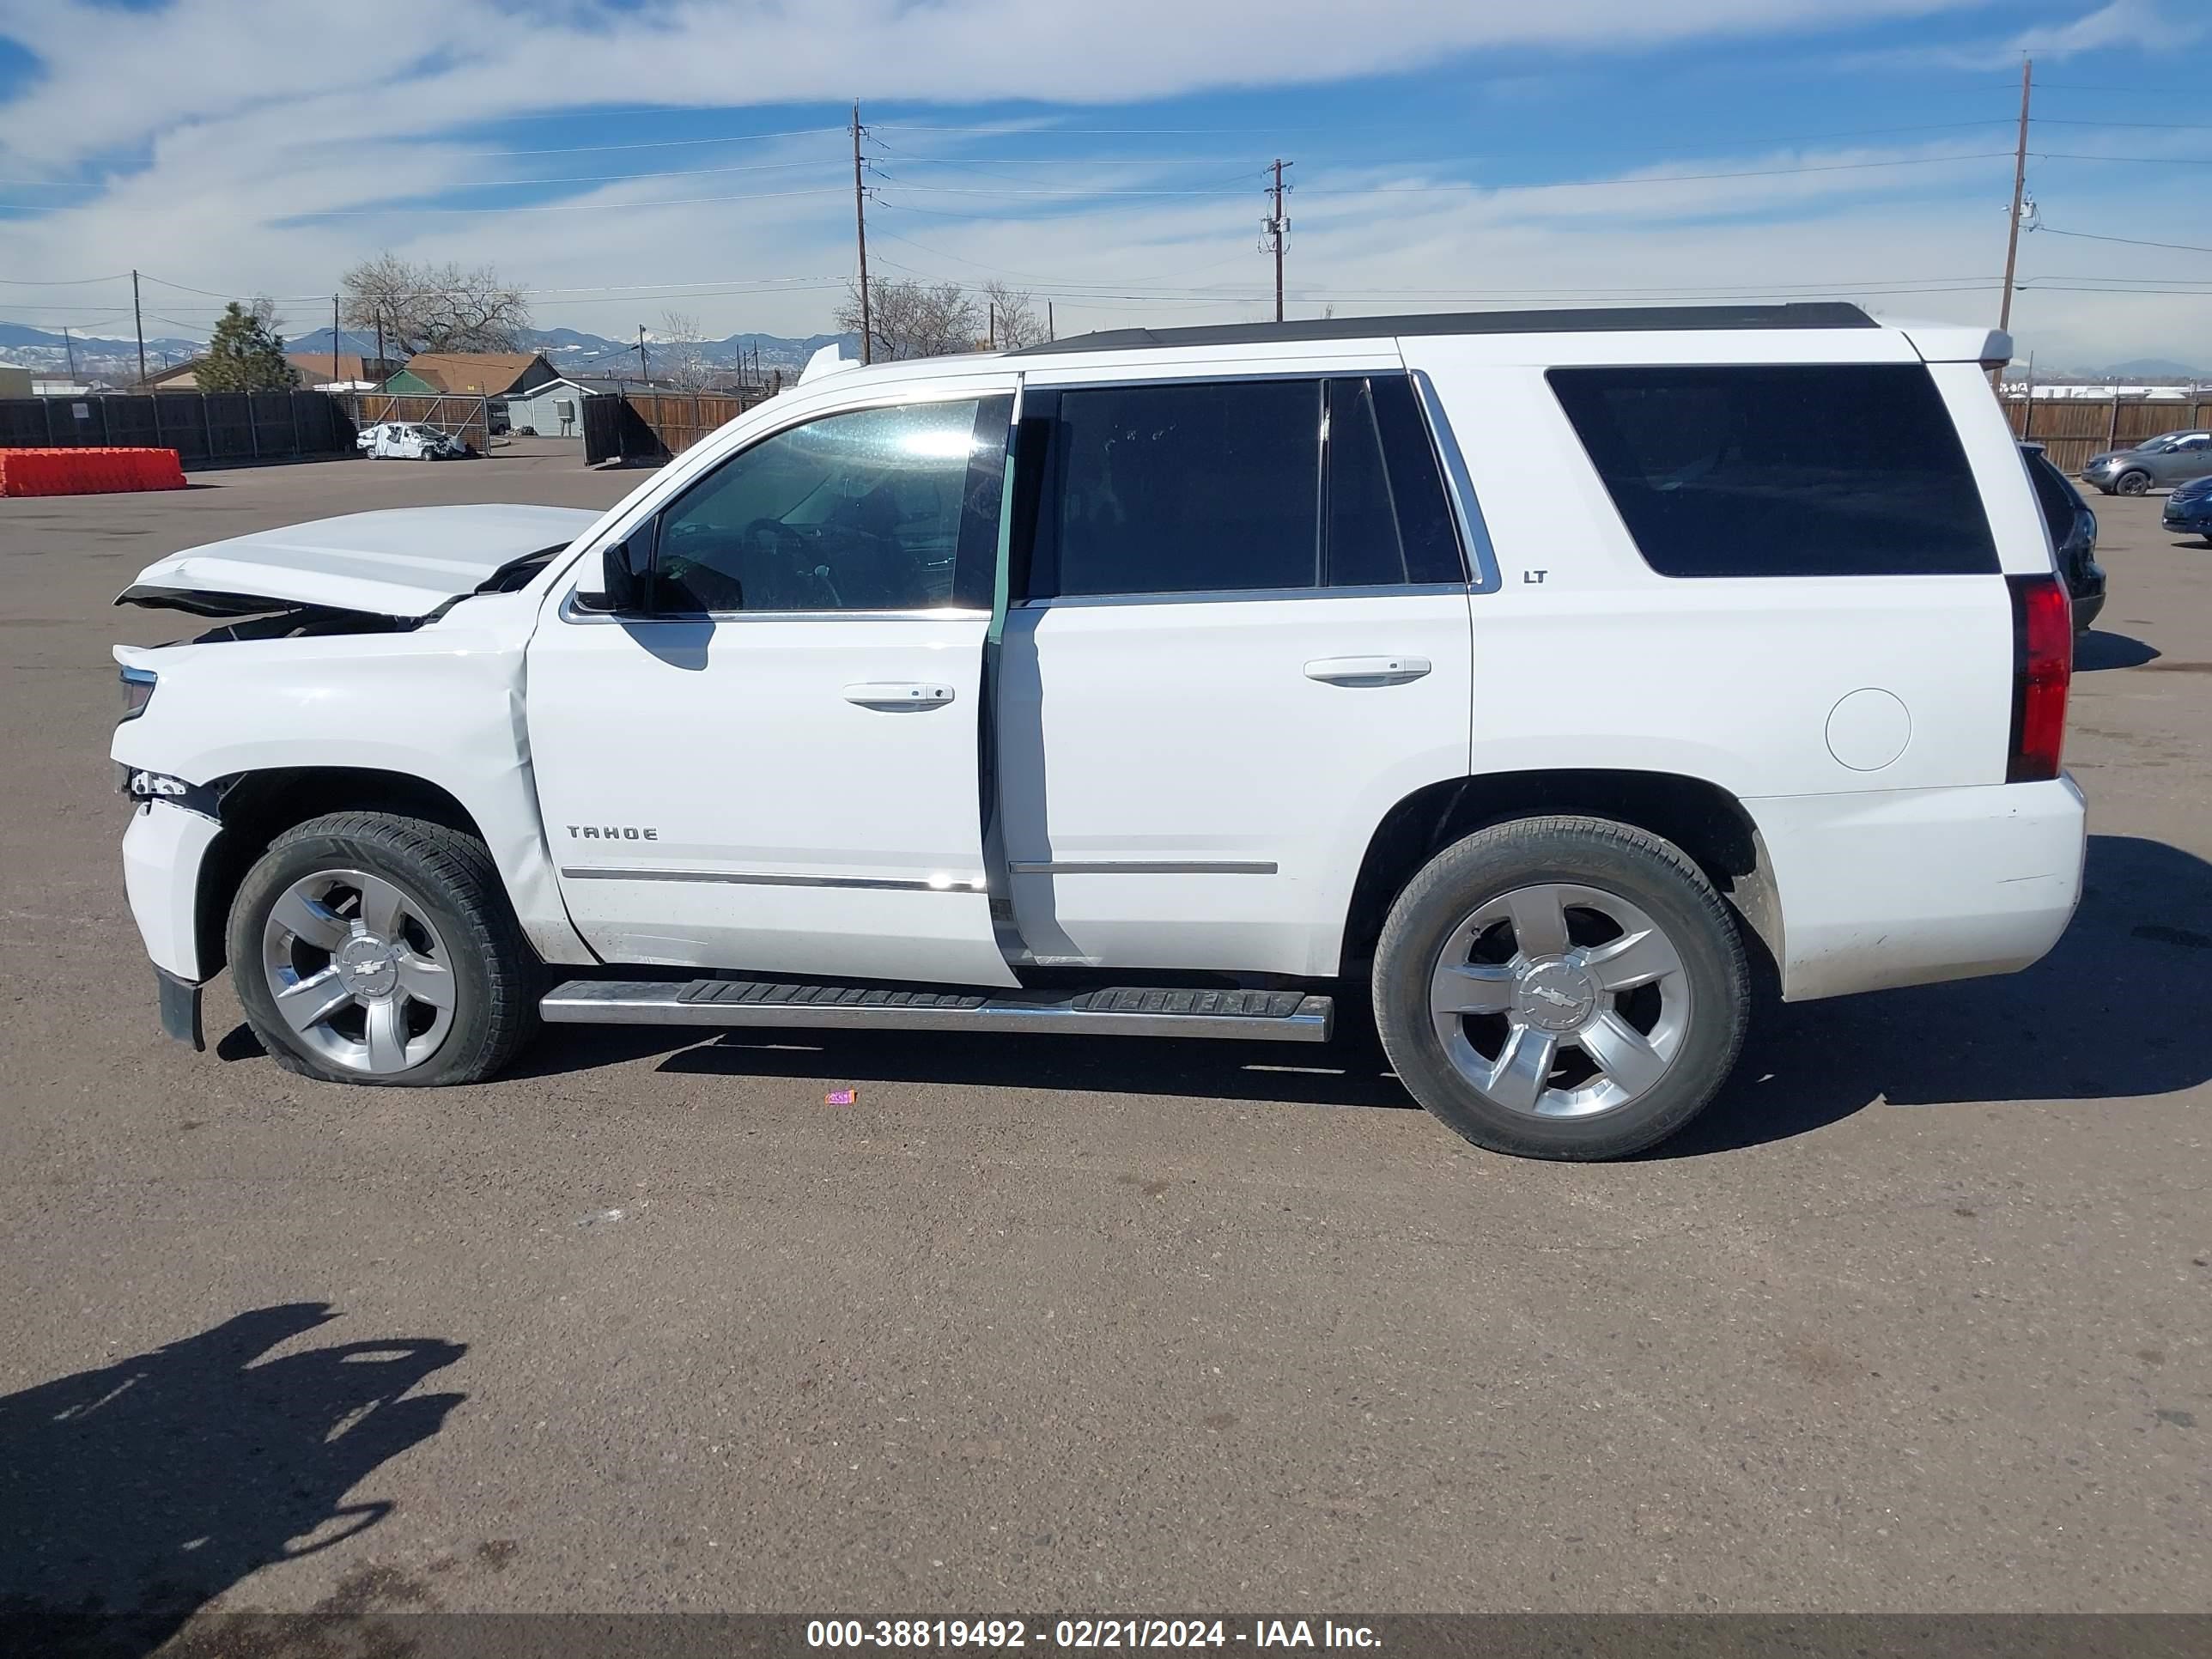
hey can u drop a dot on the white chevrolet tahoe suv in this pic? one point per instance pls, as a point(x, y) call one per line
point(1545, 680)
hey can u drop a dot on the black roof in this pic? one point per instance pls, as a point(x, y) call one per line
point(1591, 320)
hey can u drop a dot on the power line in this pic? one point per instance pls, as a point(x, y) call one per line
point(557, 207)
point(71, 282)
point(735, 284)
point(2059, 287)
point(2145, 92)
point(657, 143)
point(2131, 241)
point(2157, 126)
point(1266, 129)
point(1641, 179)
point(2151, 161)
point(608, 177)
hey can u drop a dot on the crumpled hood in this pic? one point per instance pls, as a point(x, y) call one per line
point(403, 562)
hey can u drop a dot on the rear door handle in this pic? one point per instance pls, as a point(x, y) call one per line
point(898, 694)
point(1366, 671)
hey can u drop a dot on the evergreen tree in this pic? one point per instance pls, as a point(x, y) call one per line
point(244, 355)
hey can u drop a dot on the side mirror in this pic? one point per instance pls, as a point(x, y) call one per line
point(626, 576)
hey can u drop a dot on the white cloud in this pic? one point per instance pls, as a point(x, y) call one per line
point(243, 119)
point(2149, 25)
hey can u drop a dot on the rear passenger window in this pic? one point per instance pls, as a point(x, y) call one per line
point(1183, 489)
point(1388, 523)
point(1231, 488)
point(1828, 469)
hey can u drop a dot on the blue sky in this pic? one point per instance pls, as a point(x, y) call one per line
point(623, 160)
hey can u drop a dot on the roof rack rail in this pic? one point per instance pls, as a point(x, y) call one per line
point(1583, 320)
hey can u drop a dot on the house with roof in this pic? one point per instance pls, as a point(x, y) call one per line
point(471, 373)
point(552, 409)
point(355, 372)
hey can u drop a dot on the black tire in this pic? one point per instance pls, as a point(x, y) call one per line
point(2132, 483)
point(451, 877)
point(1617, 859)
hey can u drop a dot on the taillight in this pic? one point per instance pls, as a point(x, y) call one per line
point(2043, 663)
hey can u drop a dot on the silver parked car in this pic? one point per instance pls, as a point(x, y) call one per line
point(2171, 458)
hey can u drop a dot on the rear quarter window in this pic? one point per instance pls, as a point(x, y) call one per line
point(1813, 469)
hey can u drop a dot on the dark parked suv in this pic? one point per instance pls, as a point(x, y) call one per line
point(2072, 534)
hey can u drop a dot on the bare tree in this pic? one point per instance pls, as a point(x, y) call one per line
point(1014, 322)
point(682, 352)
point(907, 319)
point(428, 307)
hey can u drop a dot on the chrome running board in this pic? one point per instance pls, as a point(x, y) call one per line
point(1265, 1016)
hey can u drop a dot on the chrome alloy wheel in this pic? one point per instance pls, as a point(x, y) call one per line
point(358, 971)
point(1559, 1001)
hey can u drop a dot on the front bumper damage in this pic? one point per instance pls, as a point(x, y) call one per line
point(164, 851)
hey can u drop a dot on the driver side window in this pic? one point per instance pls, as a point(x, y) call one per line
point(875, 509)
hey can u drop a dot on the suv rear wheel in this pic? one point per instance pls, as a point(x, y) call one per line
point(1564, 987)
point(368, 948)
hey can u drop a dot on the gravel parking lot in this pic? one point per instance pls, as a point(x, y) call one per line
point(1919, 1317)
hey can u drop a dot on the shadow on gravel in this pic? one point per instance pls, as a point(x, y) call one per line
point(2045, 1033)
point(2097, 649)
point(131, 1495)
point(1347, 1073)
point(2095, 1019)
point(2141, 942)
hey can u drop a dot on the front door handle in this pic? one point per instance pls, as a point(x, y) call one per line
point(898, 695)
point(1366, 671)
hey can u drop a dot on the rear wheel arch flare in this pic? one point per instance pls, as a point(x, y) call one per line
point(1707, 822)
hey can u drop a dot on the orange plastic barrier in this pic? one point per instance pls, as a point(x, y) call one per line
point(87, 471)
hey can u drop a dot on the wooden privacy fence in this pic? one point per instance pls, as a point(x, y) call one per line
point(2072, 429)
point(651, 426)
point(467, 417)
point(206, 429)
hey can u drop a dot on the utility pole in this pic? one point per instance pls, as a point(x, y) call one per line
point(69, 347)
point(644, 368)
point(1275, 224)
point(335, 376)
point(2019, 193)
point(991, 339)
point(380, 342)
point(860, 223)
point(138, 322)
point(1050, 332)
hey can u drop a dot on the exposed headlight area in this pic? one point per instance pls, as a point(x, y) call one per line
point(143, 786)
point(137, 691)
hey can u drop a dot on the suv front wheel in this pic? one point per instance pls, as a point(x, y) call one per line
point(1563, 988)
point(370, 948)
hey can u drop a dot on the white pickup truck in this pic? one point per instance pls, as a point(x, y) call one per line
point(1540, 679)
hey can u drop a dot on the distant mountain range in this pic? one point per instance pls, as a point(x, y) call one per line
point(575, 352)
point(569, 349)
point(2152, 368)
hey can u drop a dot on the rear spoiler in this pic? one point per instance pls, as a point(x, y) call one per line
point(1948, 343)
